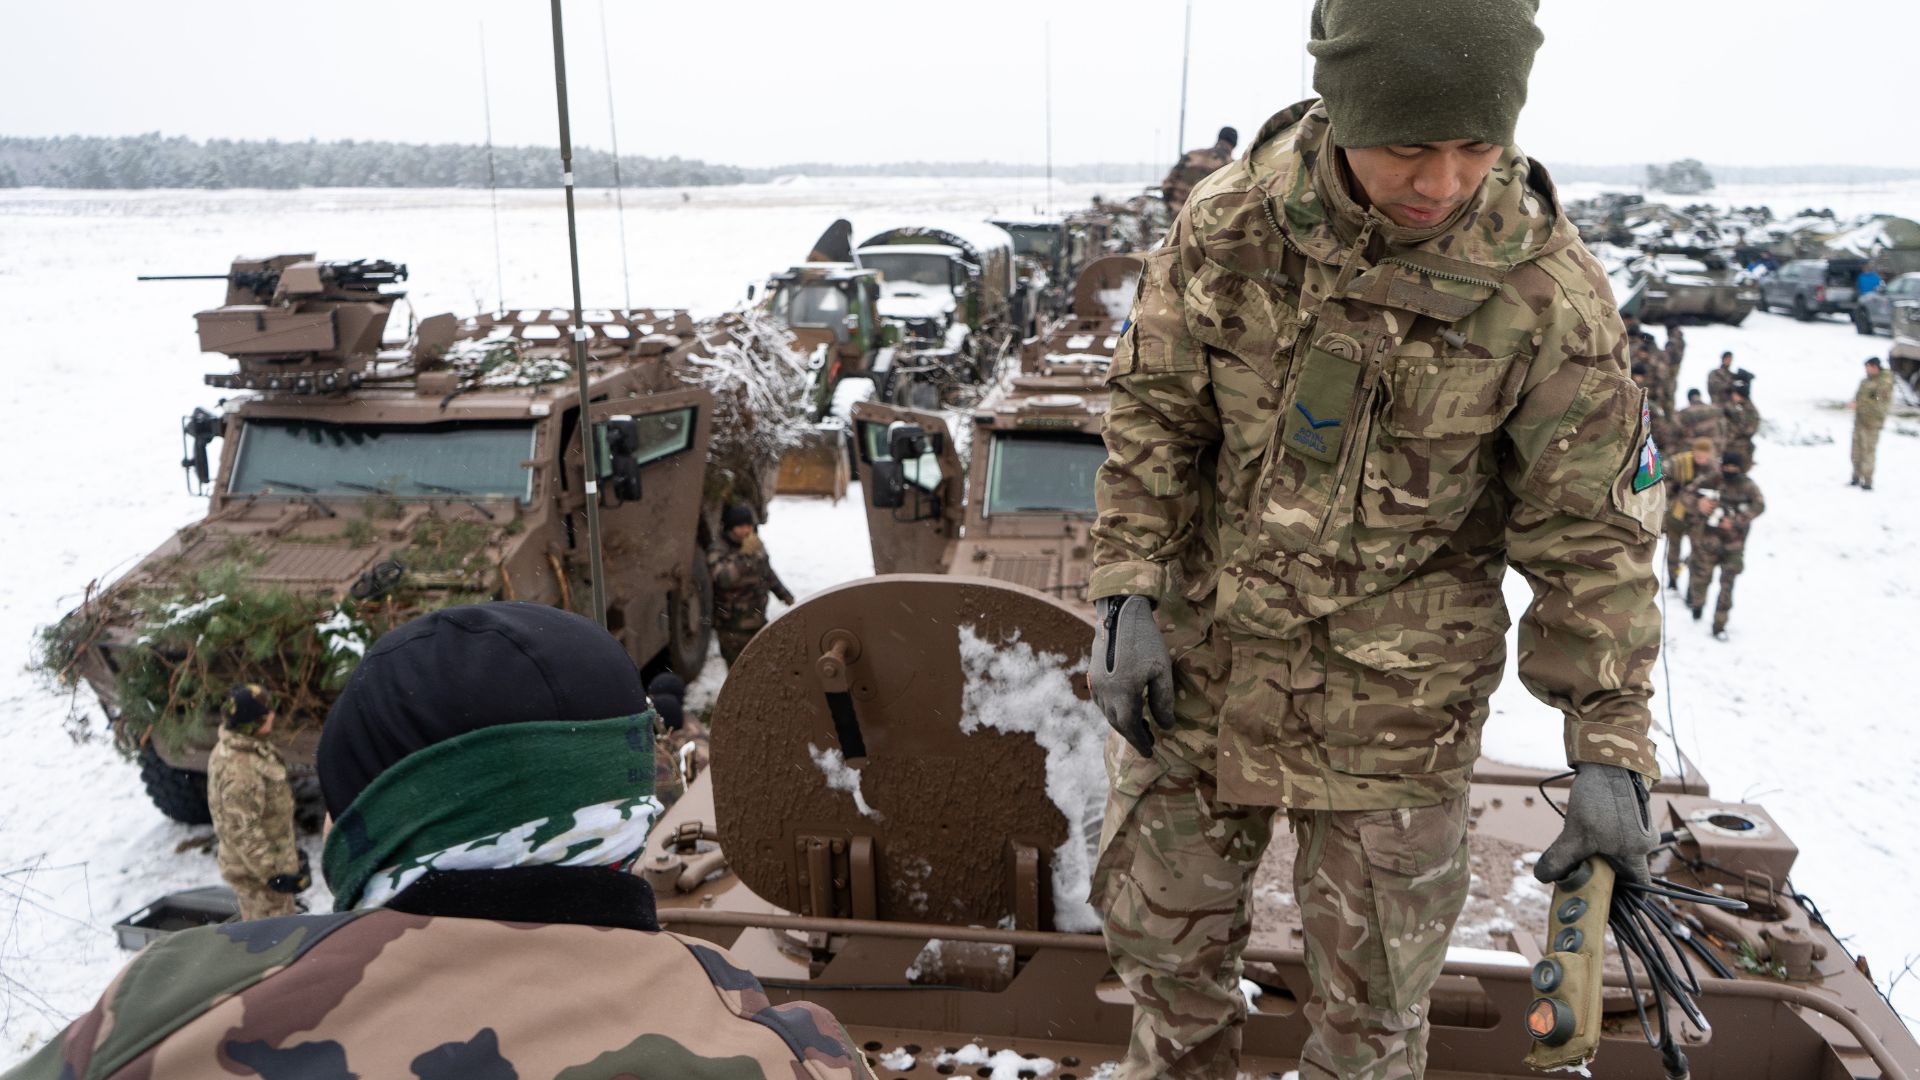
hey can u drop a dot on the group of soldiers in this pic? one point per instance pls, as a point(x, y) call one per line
point(1708, 450)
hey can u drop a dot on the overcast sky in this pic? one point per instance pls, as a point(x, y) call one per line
point(767, 82)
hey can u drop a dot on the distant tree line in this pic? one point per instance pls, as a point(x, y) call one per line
point(158, 161)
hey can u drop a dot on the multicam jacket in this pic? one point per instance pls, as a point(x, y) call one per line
point(252, 809)
point(1704, 421)
point(1871, 400)
point(742, 578)
point(1313, 431)
point(389, 994)
point(1720, 385)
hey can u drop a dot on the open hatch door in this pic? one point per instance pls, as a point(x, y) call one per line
point(913, 485)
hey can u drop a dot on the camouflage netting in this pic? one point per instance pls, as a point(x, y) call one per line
point(759, 384)
point(504, 360)
point(199, 630)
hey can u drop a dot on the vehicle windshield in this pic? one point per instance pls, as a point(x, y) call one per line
point(465, 458)
point(1043, 472)
point(811, 305)
point(1034, 239)
point(918, 267)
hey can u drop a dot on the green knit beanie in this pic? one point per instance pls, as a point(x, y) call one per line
point(1398, 72)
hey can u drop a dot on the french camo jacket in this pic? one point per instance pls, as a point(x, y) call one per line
point(1743, 423)
point(1315, 435)
point(742, 578)
point(252, 809)
point(1720, 511)
point(388, 994)
point(1720, 385)
point(1704, 421)
point(1870, 402)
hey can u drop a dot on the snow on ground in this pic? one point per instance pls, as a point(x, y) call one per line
point(1803, 710)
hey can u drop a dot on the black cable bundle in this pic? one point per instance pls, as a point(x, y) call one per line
point(1643, 929)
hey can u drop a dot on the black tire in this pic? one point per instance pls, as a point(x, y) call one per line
point(1863, 322)
point(1800, 309)
point(181, 794)
point(690, 631)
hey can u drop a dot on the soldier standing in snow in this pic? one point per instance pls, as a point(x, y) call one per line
point(1682, 470)
point(1869, 407)
point(1721, 509)
point(742, 578)
point(1743, 420)
point(1370, 369)
point(253, 809)
point(1700, 420)
point(1195, 166)
point(1720, 380)
point(1675, 352)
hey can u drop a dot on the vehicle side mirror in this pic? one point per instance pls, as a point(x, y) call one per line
point(620, 456)
point(750, 289)
point(889, 485)
point(196, 431)
point(910, 442)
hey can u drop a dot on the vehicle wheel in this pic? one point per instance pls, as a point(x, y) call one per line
point(1800, 309)
point(181, 794)
point(1863, 322)
point(692, 628)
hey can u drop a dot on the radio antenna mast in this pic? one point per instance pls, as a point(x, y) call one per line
point(1049, 70)
point(1186, 52)
point(493, 183)
point(619, 193)
point(589, 443)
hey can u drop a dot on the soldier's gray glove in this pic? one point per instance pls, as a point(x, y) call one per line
point(1606, 815)
point(1130, 663)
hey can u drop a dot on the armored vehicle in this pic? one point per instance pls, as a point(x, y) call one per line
point(953, 291)
point(356, 487)
point(1694, 287)
point(905, 810)
point(1020, 507)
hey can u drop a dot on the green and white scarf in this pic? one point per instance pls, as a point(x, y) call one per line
point(536, 794)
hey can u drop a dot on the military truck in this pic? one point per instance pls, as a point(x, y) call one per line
point(357, 486)
point(954, 293)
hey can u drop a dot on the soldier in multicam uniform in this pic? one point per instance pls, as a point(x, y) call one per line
point(1195, 166)
point(1659, 382)
point(1370, 367)
point(1675, 352)
point(488, 772)
point(1720, 510)
point(1743, 420)
point(1869, 407)
point(1682, 471)
point(1720, 380)
point(1700, 420)
point(742, 578)
point(252, 808)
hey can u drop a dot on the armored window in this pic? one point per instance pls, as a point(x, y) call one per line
point(664, 434)
point(1030, 472)
point(409, 461)
point(922, 472)
point(813, 305)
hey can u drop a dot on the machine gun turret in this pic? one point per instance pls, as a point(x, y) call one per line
point(295, 324)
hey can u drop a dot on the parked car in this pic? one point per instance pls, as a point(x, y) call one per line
point(1809, 287)
point(1873, 313)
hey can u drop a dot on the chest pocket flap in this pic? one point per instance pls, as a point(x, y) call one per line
point(1235, 313)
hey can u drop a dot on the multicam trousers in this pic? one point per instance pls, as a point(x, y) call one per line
point(1700, 566)
point(1866, 447)
point(1379, 891)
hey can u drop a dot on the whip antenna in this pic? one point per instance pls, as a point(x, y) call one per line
point(619, 193)
point(589, 444)
point(1049, 69)
point(493, 185)
point(1186, 52)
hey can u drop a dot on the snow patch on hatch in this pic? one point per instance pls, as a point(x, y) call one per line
point(1011, 688)
point(841, 777)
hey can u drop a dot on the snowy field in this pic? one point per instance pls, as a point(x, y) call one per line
point(1802, 710)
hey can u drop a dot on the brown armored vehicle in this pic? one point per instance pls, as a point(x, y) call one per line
point(1020, 509)
point(904, 804)
point(356, 487)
